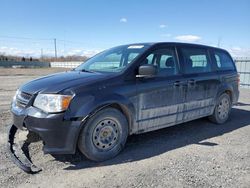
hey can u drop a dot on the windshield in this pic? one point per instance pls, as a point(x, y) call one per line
point(113, 60)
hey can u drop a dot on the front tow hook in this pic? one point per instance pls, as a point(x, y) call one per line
point(17, 154)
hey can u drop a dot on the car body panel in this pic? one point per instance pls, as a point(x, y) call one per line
point(58, 82)
point(159, 102)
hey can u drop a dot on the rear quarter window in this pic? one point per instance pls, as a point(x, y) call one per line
point(223, 61)
point(195, 60)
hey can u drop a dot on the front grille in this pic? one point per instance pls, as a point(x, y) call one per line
point(22, 99)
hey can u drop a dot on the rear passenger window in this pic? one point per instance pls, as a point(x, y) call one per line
point(223, 61)
point(195, 60)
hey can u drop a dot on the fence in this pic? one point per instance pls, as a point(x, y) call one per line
point(32, 64)
point(71, 64)
point(24, 64)
point(243, 67)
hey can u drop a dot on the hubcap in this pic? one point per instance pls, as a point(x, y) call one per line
point(223, 108)
point(106, 134)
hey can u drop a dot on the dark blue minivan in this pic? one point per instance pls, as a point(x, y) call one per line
point(129, 89)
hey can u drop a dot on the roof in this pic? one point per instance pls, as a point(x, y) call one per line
point(175, 44)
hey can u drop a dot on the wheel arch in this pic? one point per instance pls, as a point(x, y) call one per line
point(85, 112)
point(124, 109)
point(226, 89)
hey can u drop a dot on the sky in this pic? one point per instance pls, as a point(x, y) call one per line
point(29, 27)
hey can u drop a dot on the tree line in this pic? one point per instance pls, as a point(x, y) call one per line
point(43, 59)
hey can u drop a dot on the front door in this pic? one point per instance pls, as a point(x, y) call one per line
point(160, 97)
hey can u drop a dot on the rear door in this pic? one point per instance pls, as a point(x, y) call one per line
point(202, 82)
point(160, 97)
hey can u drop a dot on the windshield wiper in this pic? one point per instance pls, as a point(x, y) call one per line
point(85, 70)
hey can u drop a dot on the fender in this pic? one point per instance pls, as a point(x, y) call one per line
point(229, 83)
point(87, 106)
point(223, 88)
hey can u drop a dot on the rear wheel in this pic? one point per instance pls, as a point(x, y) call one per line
point(222, 109)
point(104, 135)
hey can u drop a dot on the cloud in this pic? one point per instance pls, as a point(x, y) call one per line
point(123, 20)
point(166, 35)
point(18, 52)
point(162, 26)
point(239, 52)
point(3, 48)
point(82, 52)
point(236, 48)
point(188, 38)
point(46, 52)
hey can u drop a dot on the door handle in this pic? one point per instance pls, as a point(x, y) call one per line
point(191, 82)
point(179, 83)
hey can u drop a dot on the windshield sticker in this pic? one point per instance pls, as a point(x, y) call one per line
point(136, 47)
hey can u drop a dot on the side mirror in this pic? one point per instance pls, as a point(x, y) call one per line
point(147, 71)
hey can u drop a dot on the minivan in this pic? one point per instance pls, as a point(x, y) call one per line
point(125, 90)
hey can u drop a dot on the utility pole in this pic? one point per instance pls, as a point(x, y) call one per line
point(55, 48)
point(41, 53)
point(219, 41)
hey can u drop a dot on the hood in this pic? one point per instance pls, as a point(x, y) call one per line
point(60, 81)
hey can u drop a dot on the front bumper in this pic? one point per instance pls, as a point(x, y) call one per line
point(59, 135)
point(18, 156)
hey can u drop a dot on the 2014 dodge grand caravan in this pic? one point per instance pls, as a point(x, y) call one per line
point(126, 90)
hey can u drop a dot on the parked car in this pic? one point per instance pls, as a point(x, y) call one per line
point(126, 90)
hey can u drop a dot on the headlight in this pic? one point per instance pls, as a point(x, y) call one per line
point(16, 94)
point(52, 102)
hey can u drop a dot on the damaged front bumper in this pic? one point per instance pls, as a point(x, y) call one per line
point(17, 154)
point(58, 135)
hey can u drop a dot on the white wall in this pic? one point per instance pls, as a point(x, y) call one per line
point(72, 64)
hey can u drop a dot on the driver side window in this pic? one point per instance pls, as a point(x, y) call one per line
point(165, 60)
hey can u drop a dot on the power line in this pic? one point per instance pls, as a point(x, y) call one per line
point(39, 44)
point(24, 38)
point(4, 38)
point(35, 39)
point(73, 42)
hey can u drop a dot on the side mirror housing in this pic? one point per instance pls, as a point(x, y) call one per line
point(147, 71)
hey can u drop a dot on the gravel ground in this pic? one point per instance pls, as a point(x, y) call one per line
point(194, 154)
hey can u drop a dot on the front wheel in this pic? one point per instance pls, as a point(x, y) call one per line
point(222, 109)
point(104, 135)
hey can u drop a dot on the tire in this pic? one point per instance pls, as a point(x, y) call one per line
point(222, 109)
point(104, 135)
